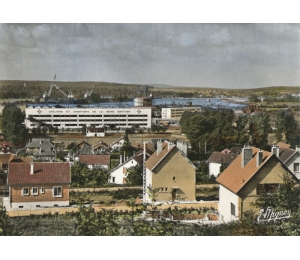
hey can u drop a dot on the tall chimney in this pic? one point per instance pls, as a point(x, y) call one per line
point(170, 145)
point(179, 145)
point(31, 168)
point(298, 148)
point(159, 147)
point(121, 159)
point(259, 158)
point(275, 150)
point(184, 148)
point(246, 155)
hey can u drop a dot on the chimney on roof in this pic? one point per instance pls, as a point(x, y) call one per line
point(159, 146)
point(275, 150)
point(298, 148)
point(133, 154)
point(31, 168)
point(259, 158)
point(246, 155)
point(121, 159)
point(170, 144)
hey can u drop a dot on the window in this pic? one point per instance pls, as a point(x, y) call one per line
point(266, 188)
point(42, 190)
point(296, 167)
point(166, 189)
point(25, 191)
point(124, 170)
point(113, 179)
point(232, 209)
point(174, 178)
point(35, 191)
point(57, 192)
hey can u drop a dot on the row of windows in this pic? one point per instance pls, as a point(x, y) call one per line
point(57, 191)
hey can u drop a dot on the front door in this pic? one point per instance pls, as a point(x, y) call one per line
point(173, 194)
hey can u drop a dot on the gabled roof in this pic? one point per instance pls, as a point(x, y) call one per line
point(44, 173)
point(6, 145)
point(82, 143)
point(285, 154)
point(115, 142)
point(99, 159)
point(45, 151)
point(40, 143)
point(155, 158)
point(140, 145)
point(234, 177)
point(86, 150)
point(130, 159)
point(217, 157)
point(284, 145)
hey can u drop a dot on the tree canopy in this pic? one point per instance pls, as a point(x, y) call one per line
point(135, 175)
point(12, 126)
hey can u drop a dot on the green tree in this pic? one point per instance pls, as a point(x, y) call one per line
point(98, 176)
point(6, 228)
point(79, 174)
point(135, 175)
point(259, 128)
point(286, 125)
point(12, 126)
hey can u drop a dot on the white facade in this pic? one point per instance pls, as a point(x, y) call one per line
point(64, 118)
point(176, 112)
point(30, 205)
point(214, 168)
point(119, 174)
point(147, 198)
point(227, 202)
point(293, 164)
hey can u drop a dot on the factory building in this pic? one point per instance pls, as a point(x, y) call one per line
point(66, 117)
point(176, 112)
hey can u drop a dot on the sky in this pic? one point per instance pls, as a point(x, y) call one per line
point(235, 55)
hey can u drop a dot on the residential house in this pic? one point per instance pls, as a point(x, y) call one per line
point(117, 145)
point(223, 158)
point(41, 149)
point(119, 174)
point(170, 174)
point(290, 158)
point(101, 148)
point(253, 172)
point(96, 160)
point(95, 131)
point(39, 184)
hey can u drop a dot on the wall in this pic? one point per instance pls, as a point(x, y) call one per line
point(227, 197)
point(118, 173)
point(214, 169)
point(271, 172)
point(174, 165)
point(290, 164)
point(17, 198)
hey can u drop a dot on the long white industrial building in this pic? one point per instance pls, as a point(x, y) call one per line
point(76, 117)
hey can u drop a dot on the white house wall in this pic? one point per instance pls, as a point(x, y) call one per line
point(214, 168)
point(30, 205)
point(118, 173)
point(290, 164)
point(226, 197)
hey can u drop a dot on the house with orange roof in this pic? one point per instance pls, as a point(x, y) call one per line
point(39, 184)
point(170, 174)
point(252, 173)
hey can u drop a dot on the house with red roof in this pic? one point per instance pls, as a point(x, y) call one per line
point(95, 160)
point(252, 173)
point(39, 184)
point(170, 174)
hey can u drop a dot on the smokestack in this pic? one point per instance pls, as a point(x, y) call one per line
point(259, 158)
point(159, 147)
point(179, 145)
point(121, 159)
point(31, 168)
point(298, 148)
point(275, 150)
point(184, 148)
point(246, 155)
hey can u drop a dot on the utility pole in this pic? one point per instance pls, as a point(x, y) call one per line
point(144, 174)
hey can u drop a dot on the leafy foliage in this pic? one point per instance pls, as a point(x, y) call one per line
point(135, 175)
point(259, 127)
point(12, 120)
point(6, 228)
point(287, 125)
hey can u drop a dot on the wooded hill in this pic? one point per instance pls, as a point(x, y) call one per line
point(29, 89)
